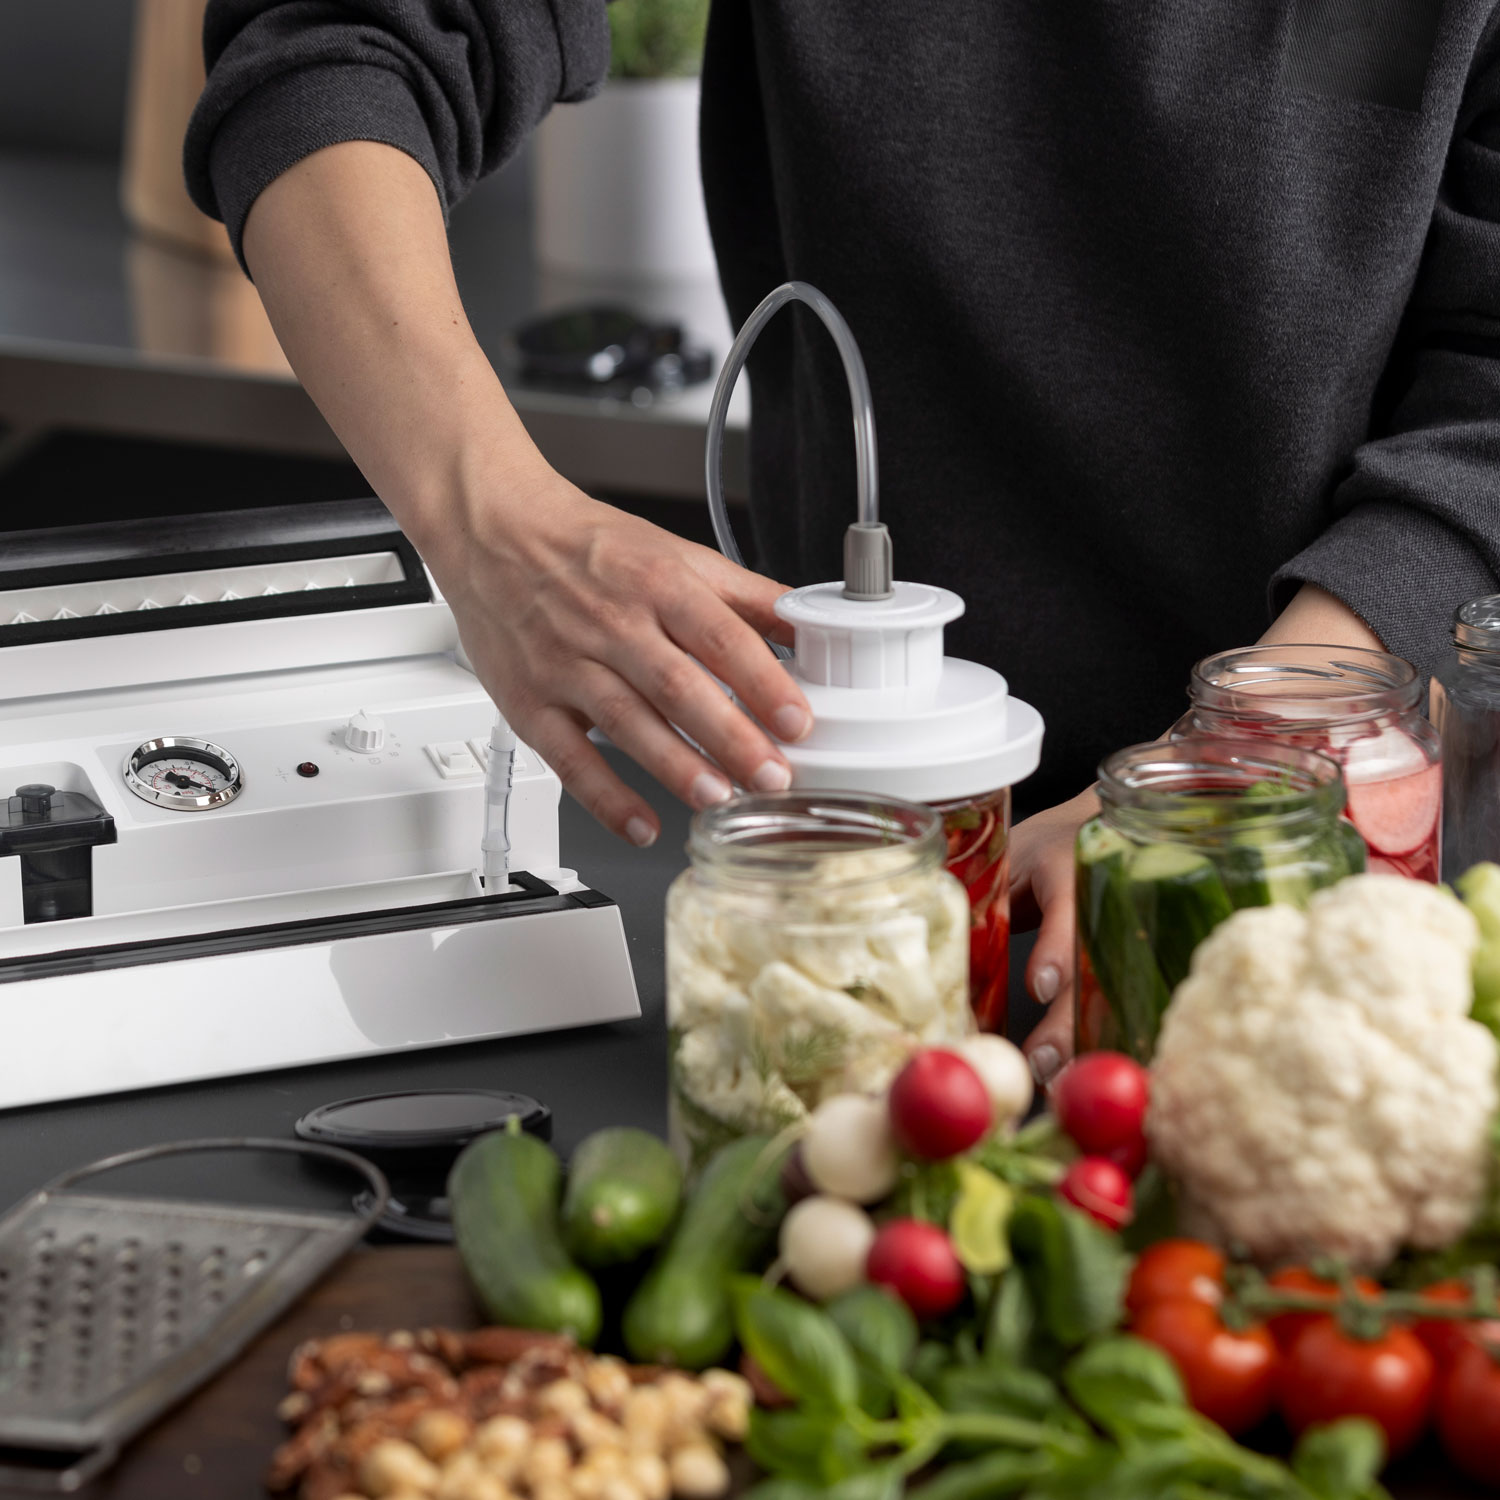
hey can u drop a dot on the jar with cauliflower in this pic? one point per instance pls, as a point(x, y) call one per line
point(1187, 833)
point(815, 940)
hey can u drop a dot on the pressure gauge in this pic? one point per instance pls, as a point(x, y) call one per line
point(186, 775)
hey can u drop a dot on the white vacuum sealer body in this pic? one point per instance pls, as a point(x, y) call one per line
point(272, 778)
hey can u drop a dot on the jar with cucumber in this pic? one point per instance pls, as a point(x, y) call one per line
point(1189, 831)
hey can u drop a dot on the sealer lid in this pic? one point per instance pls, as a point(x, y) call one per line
point(892, 715)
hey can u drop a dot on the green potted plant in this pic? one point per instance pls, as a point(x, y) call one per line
point(618, 192)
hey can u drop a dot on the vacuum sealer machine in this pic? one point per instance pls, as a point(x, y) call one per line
point(244, 773)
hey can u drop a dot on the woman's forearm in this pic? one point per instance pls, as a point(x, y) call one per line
point(1316, 617)
point(349, 252)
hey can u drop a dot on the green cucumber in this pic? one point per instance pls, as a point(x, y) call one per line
point(503, 1191)
point(681, 1313)
point(1116, 941)
point(624, 1189)
point(1356, 853)
point(1179, 899)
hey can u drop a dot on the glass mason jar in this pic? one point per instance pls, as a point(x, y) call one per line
point(814, 941)
point(1360, 708)
point(1466, 714)
point(977, 830)
point(1187, 832)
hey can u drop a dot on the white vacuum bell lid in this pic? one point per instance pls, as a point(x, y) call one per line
point(892, 715)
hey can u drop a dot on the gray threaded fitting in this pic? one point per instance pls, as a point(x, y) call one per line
point(868, 569)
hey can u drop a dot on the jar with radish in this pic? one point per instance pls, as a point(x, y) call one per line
point(1362, 709)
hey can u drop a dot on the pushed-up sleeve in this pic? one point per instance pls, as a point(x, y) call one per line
point(1415, 527)
point(456, 84)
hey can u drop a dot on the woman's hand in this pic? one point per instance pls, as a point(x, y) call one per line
point(1041, 894)
point(575, 614)
point(572, 613)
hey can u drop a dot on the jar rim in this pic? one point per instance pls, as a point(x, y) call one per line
point(1476, 624)
point(761, 836)
point(1351, 683)
point(1155, 780)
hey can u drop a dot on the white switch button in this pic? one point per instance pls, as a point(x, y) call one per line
point(454, 758)
point(364, 733)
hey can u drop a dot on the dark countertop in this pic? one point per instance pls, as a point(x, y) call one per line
point(104, 330)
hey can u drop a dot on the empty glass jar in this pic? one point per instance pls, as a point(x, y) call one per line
point(815, 940)
point(1466, 714)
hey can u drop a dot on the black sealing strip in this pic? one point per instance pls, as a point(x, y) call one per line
point(412, 588)
point(534, 896)
point(1377, 51)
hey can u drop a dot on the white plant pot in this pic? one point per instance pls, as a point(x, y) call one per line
point(618, 191)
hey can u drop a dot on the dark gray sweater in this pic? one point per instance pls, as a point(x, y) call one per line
point(1168, 305)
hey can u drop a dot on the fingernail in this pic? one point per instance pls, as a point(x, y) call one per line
point(1045, 1061)
point(771, 776)
point(791, 722)
point(640, 833)
point(709, 789)
point(1046, 983)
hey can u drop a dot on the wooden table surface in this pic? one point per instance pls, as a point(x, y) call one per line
point(217, 1444)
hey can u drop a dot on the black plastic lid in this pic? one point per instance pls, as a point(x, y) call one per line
point(421, 1121)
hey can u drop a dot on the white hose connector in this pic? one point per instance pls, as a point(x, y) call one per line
point(495, 846)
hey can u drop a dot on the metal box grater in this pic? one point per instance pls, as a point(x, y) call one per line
point(112, 1308)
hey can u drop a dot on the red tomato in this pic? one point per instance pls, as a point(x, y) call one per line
point(1444, 1337)
point(1468, 1412)
point(1230, 1374)
point(1327, 1375)
point(1287, 1326)
point(1100, 1100)
point(1100, 1189)
point(916, 1260)
point(939, 1106)
point(1176, 1271)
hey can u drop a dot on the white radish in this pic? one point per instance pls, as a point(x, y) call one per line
point(1006, 1075)
point(848, 1149)
point(824, 1245)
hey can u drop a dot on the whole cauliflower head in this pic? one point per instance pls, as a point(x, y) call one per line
point(1318, 1086)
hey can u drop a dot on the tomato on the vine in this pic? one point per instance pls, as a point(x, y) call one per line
point(1328, 1374)
point(1468, 1411)
point(1230, 1374)
point(1444, 1337)
point(1176, 1271)
point(1287, 1327)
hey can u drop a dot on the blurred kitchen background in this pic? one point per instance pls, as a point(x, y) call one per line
point(139, 376)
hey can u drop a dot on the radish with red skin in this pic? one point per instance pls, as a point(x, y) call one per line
point(1100, 1189)
point(939, 1106)
point(1100, 1101)
point(916, 1261)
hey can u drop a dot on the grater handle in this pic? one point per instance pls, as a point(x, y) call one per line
point(380, 1191)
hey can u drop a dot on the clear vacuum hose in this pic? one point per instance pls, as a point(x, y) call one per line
point(867, 548)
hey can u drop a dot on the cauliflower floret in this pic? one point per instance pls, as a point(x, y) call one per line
point(1394, 943)
point(715, 1073)
point(1317, 1088)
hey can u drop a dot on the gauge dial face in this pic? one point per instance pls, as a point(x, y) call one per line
point(184, 774)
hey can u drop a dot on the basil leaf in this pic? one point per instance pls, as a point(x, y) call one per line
point(799, 1347)
point(1119, 1372)
point(1004, 1473)
point(1006, 1389)
point(791, 1442)
point(1076, 1269)
point(1012, 1321)
point(1342, 1460)
point(883, 1483)
point(879, 1327)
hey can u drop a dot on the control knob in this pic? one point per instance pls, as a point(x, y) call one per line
point(364, 733)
